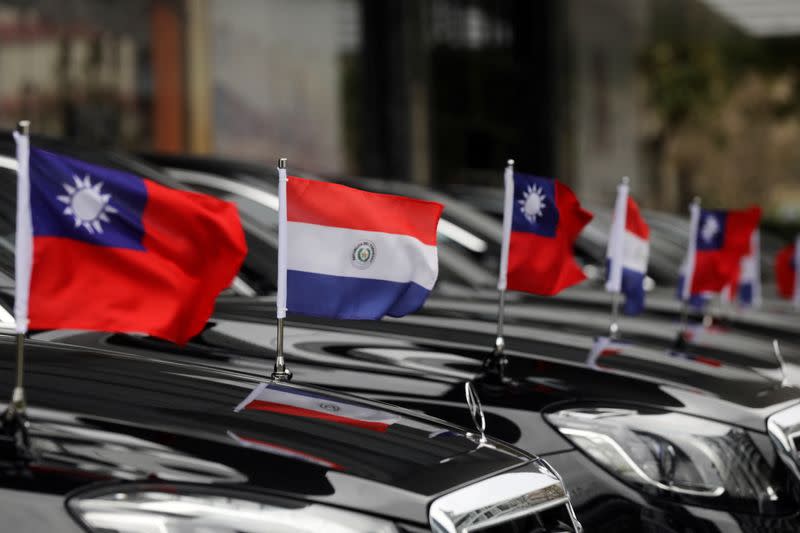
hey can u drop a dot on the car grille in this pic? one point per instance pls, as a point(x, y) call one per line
point(530, 499)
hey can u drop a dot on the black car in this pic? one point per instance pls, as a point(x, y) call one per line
point(596, 414)
point(129, 444)
point(252, 187)
point(646, 440)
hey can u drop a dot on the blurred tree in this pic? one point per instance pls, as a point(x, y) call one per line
point(726, 108)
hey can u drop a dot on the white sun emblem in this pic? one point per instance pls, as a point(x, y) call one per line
point(532, 203)
point(86, 204)
point(710, 228)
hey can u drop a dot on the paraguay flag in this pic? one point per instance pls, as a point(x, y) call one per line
point(719, 240)
point(353, 254)
point(747, 282)
point(293, 401)
point(786, 272)
point(628, 251)
point(541, 220)
point(101, 249)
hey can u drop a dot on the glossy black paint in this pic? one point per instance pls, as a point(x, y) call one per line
point(98, 416)
point(421, 362)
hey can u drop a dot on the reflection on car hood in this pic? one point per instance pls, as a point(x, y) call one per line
point(548, 363)
point(99, 415)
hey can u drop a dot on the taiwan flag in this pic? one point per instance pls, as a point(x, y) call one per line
point(719, 241)
point(628, 252)
point(101, 249)
point(541, 220)
point(351, 254)
point(786, 272)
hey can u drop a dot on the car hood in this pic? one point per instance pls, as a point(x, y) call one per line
point(548, 363)
point(97, 415)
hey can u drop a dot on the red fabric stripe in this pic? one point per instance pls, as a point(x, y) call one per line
point(634, 222)
point(784, 274)
point(740, 226)
point(708, 361)
point(291, 452)
point(272, 407)
point(194, 247)
point(545, 265)
point(332, 204)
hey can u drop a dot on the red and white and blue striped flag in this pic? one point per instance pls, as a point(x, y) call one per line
point(628, 252)
point(294, 401)
point(747, 287)
point(352, 254)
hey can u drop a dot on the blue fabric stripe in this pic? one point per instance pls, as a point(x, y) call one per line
point(633, 287)
point(746, 293)
point(351, 298)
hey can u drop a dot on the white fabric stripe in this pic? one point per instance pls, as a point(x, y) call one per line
point(24, 238)
point(694, 221)
point(750, 268)
point(508, 206)
point(635, 252)
point(329, 250)
point(250, 397)
point(616, 239)
point(280, 301)
point(796, 299)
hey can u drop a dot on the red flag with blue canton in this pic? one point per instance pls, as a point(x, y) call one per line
point(547, 218)
point(112, 251)
point(722, 240)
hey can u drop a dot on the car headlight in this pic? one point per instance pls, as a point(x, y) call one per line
point(676, 454)
point(173, 509)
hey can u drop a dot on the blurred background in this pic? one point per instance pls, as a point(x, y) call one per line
point(685, 96)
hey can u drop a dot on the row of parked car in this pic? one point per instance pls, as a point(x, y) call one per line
point(669, 429)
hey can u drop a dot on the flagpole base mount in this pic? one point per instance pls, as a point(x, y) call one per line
point(282, 375)
point(280, 372)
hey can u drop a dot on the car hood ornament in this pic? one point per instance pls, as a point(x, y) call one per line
point(475, 409)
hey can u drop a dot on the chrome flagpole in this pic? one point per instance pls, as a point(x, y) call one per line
point(616, 249)
point(15, 415)
point(497, 360)
point(688, 275)
point(280, 372)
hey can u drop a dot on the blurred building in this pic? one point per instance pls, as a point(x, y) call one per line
point(681, 95)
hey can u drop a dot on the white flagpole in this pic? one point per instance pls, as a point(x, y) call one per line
point(616, 247)
point(508, 213)
point(688, 275)
point(280, 372)
point(796, 298)
point(22, 261)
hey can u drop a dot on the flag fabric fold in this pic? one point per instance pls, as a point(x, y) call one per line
point(628, 252)
point(541, 221)
point(719, 240)
point(353, 254)
point(112, 251)
point(786, 272)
